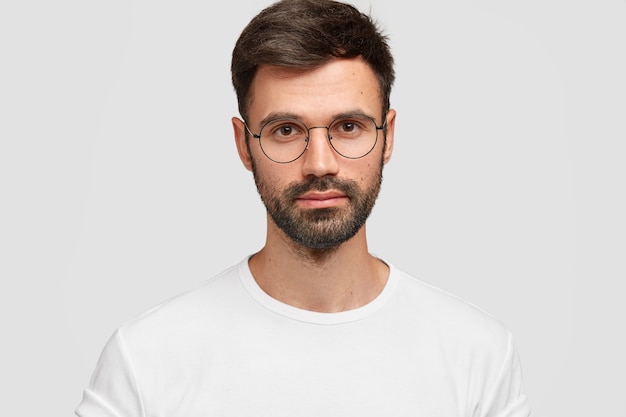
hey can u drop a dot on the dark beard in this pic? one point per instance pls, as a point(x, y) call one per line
point(324, 228)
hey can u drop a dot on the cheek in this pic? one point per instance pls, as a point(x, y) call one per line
point(369, 172)
point(274, 176)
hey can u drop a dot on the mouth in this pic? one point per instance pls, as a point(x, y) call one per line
point(322, 199)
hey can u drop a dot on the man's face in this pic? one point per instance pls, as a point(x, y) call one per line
point(322, 199)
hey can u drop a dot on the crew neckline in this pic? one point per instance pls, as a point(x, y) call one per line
point(315, 317)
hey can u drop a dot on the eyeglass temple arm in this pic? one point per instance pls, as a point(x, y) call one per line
point(254, 135)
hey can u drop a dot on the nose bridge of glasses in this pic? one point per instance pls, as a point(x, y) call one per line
point(320, 127)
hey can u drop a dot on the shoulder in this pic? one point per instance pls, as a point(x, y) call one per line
point(210, 304)
point(448, 316)
point(464, 342)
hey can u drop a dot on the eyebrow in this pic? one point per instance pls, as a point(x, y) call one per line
point(278, 115)
point(288, 115)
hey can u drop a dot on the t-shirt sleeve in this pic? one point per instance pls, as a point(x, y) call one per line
point(506, 397)
point(113, 390)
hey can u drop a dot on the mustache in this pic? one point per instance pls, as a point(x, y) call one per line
point(347, 187)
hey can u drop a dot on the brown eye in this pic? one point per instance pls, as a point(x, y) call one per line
point(348, 126)
point(284, 130)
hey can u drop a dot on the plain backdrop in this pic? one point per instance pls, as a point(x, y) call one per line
point(120, 185)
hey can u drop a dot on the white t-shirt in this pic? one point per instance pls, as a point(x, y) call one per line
point(229, 349)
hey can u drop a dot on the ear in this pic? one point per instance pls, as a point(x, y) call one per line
point(239, 129)
point(391, 125)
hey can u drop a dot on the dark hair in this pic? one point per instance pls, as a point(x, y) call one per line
point(305, 34)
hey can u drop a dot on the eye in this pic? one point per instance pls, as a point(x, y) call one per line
point(284, 130)
point(348, 128)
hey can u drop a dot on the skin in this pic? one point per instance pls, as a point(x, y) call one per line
point(346, 276)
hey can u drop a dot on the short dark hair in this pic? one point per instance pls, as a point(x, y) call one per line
point(305, 34)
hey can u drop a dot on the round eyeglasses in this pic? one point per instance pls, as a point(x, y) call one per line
point(285, 140)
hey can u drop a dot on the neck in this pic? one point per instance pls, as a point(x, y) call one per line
point(326, 280)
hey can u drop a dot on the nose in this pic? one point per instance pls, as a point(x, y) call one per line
point(319, 159)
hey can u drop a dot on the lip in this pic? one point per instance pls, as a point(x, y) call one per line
point(321, 199)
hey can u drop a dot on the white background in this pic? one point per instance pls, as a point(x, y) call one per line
point(120, 183)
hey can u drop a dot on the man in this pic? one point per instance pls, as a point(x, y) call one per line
point(312, 324)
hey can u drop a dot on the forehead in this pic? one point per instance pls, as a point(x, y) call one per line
point(336, 87)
